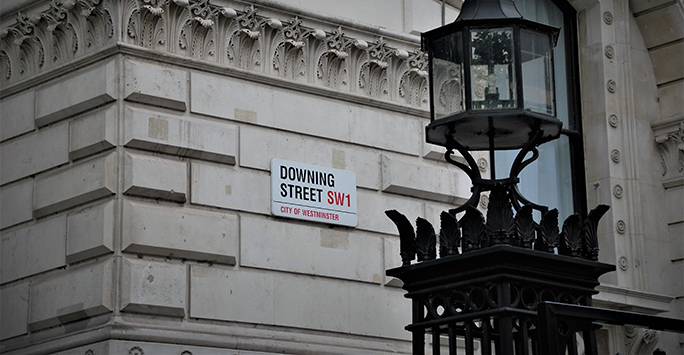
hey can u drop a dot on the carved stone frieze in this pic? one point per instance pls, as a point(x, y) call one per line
point(67, 30)
point(669, 136)
point(290, 48)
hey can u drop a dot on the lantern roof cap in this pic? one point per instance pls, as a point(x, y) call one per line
point(488, 9)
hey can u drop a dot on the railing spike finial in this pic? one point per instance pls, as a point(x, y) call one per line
point(407, 236)
point(426, 240)
point(449, 235)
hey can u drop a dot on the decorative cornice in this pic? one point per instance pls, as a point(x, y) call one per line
point(669, 136)
point(375, 66)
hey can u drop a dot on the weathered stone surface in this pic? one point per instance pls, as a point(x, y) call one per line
point(272, 244)
point(386, 130)
point(180, 136)
point(14, 310)
point(179, 233)
point(17, 115)
point(229, 187)
point(34, 153)
point(90, 232)
point(258, 296)
point(661, 26)
point(373, 309)
point(219, 293)
point(662, 59)
point(259, 145)
point(155, 85)
point(93, 133)
point(392, 260)
point(33, 249)
point(16, 203)
point(71, 295)
point(671, 99)
point(231, 98)
point(153, 287)
point(75, 185)
point(424, 181)
point(96, 86)
point(155, 177)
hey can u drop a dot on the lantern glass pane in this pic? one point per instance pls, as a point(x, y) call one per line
point(537, 72)
point(447, 75)
point(492, 69)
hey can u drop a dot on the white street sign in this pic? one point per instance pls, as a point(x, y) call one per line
point(313, 193)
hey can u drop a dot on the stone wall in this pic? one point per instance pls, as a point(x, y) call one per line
point(136, 139)
point(135, 179)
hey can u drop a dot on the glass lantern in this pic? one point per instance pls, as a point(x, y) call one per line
point(491, 79)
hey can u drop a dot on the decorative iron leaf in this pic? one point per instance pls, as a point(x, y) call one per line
point(472, 228)
point(499, 217)
point(449, 235)
point(426, 240)
point(525, 227)
point(570, 240)
point(547, 234)
point(589, 237)
point(407, 236)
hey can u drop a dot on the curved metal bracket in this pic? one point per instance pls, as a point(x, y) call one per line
point(480, 185)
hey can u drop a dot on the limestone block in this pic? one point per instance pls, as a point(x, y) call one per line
point(179, 233)
point(313, 114)
point(231, 98)
point(298, 297)
point(674, 204)
point(236, 295)
point(16, 203)
point(392, 260)
point(155, 85)
point(34, 153)
point(272, 244)
point(424, 181)
point(75, 185)
point(33, 249)
point(284, 299)
point(231, 188)
point(670, 95)
point(379, 311)
point(387, 130)
point(373, 204)
point(71, 295)
point(17, 115)
point(153, 287)
point(155, 177)
point(14, 310)
point(180, 136)
point(96, 86)
point(661, 26)
point(93, 133)
point(665, 65)
point(259, 145)
point(90, 232)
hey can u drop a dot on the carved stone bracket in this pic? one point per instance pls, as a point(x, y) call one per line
point(376, 66)
point(669, 136)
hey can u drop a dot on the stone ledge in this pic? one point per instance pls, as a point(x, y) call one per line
point(176, 135)
point(70, 295)
point(177, 232)
point(77, 184)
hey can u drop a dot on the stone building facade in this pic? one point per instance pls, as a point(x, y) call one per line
point(136, 140)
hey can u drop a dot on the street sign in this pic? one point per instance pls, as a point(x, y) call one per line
point(313, 193)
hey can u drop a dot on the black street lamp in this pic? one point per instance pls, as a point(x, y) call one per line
point(508, 283)
point(492, 88)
